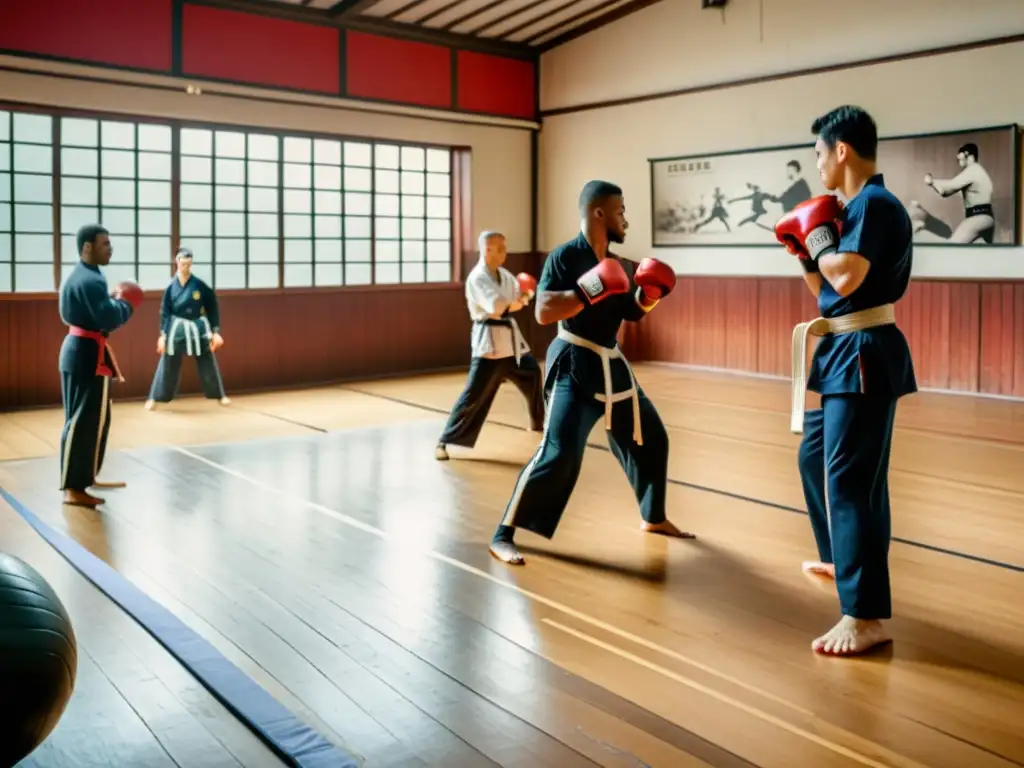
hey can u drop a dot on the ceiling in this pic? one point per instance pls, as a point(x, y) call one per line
point(528, 26)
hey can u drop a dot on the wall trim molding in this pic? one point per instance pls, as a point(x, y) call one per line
point(36, 67)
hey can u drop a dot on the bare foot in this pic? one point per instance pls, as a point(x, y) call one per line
point(81, 499)
point(440, 452)
point(507, 552)
point(150, 405)
point(225, 401)
point(817, 568)
point(852, 636)
point(666, 528)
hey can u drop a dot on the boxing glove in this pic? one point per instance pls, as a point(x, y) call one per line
point(606, 279)
point(811, 230)
point(655, 279)
point(527, 284)
point(130, 292)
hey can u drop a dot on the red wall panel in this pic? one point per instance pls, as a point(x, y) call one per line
point(964, 336)
point(398, 70)
point(496, 85)
point(123, 33)
point(246, 48)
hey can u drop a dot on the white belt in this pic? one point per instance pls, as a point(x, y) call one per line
point(855, 321)
point(191, 332)
point(609, 398)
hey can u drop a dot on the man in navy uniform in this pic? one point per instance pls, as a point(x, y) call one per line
point(87, 362)
point(189, 327)
point(585, 289)
point(857, 261)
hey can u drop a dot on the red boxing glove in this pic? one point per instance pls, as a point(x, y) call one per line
point(130, 292)
point(656, 279)
point(604, 280)
point(811, 230)
point(527, 284)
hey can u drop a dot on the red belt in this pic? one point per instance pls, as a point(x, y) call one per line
point(101, 342)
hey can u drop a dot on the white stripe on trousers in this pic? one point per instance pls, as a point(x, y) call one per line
point(524, 477)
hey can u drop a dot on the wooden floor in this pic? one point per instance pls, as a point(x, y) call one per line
point(312, 537)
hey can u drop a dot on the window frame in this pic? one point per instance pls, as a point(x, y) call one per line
point(460, 205)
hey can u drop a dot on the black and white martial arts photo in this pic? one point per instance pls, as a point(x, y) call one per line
point(959, 188)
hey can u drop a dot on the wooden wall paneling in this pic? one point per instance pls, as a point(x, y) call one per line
point(7, 359)
point(780, 305)
point(1018, 325)
point(273, 339)
point(997, 339)
point(741, 310)
point(916, 318)
point(965, 336)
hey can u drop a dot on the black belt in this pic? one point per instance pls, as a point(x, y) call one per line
point(505, 322)
point(985, 209)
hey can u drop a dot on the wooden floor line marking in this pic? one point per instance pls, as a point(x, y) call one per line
point(585, 618)
point(750, 710)
point(728, 494)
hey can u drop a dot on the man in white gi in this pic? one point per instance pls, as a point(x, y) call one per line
point(500, 353)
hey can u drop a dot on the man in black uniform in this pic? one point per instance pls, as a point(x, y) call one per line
point(87, 363)
point(586, 290)
point(189, 326)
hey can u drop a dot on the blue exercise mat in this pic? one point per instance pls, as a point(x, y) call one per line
point(290, 738)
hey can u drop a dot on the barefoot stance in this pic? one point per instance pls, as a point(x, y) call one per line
point(815, 568)
point(81, 499)
point(507, 552)
point(666, 528)
point(851, 636)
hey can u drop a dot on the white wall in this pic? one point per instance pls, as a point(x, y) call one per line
point(675, 45)
point(500, 155)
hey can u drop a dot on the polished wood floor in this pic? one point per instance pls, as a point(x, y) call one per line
point(313, 538)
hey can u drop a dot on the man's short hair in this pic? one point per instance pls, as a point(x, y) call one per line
point(595, 193)
point(88, 234)
point(183, 253)
point(969, 149)
point(851, 125)
point(486, 235)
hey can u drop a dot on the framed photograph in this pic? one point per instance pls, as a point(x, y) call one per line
point(959, 187)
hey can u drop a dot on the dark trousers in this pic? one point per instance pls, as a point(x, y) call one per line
point(168, 375)
point(83, 442)
point(485, 378)
point(844, 468)
point(545, 484)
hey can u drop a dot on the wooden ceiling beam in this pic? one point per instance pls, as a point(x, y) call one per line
point(596, 23)
point(347, 9)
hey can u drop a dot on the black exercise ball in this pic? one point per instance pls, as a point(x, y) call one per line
point(38, 659)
